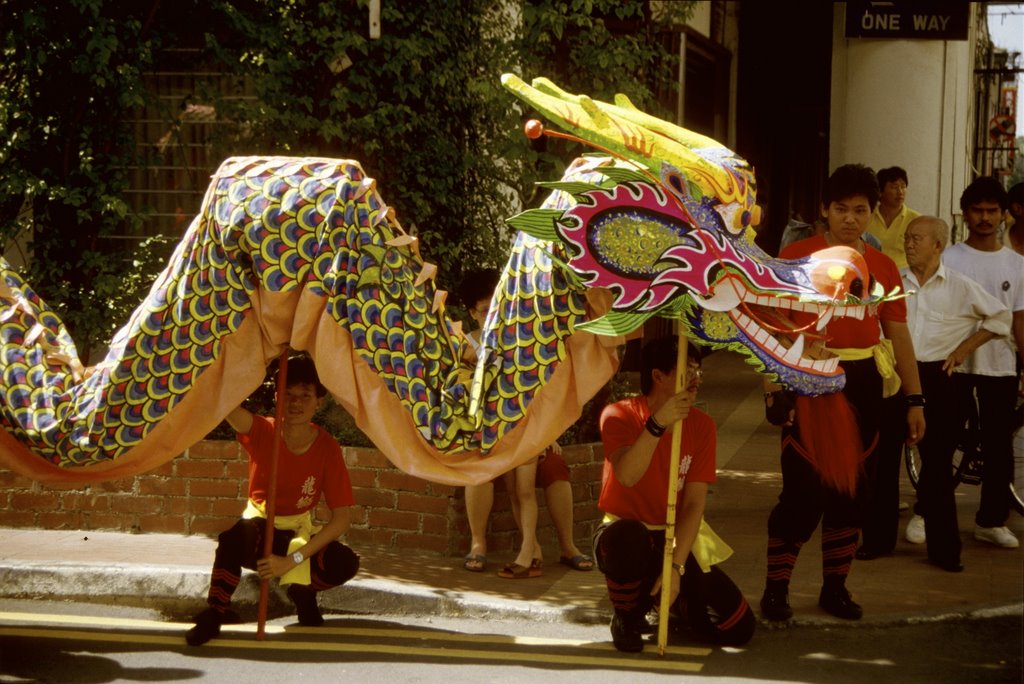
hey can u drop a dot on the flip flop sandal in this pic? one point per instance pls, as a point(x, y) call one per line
point(474, 562)
point(582, 562)
point(516, 571)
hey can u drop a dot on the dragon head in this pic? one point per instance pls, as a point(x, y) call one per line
point(664, 220)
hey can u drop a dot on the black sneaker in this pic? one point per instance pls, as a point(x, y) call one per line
point(775, 604)
point(626, 633)
point(838, 602)
point(304, 599)
point(207, 626)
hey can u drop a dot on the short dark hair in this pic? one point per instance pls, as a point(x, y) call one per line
point(478, 284)
point(302, 371)
point(661, 353)
point(983, 189)
point(850, 180)
point(891, 174)
point(1016, 194)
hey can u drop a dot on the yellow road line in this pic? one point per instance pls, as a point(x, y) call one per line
point(636, 663)
point(372, 632)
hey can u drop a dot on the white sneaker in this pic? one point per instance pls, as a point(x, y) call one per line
point(1000, 536)
point(915, 530)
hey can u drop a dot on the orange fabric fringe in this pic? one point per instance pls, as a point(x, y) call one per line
point(830, 440)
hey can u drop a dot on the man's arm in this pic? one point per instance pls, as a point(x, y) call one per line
point(965, 349)
point(630, 462)
point(688, 516)
point(240, 420)
point(1018, 333)
point(337, 525)
point(906, 368)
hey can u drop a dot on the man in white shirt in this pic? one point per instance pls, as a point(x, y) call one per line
point(949, 316)
point(991, 371)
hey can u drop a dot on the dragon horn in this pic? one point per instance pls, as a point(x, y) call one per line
point(624, 129)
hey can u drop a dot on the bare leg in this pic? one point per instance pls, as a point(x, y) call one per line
point(513, 499)
point(479, 500)
point(526, 493)
point(559, 499)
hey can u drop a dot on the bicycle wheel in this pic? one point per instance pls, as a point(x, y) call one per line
point(1017, 484)
point(912, 461)
point(966, 470)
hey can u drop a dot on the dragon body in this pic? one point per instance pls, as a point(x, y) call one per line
point(304, 253)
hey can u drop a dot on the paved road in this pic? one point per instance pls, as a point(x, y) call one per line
point(76, 643)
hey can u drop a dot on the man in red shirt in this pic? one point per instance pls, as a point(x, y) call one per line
point(629, 545)
point(814, 432)
point(307, 557)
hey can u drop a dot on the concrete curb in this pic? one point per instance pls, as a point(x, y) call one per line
point(179, 592)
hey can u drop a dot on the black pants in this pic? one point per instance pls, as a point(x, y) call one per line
point(882, 478)
point(631, 558)
point(935, 488)
point(805, 500)
point(242, 545)
point(997, 397)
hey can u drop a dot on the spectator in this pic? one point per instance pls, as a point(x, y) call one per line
point(1014, 237)
point(891, 217)
point(949, 317)
point(991, 372)
point(549, 472)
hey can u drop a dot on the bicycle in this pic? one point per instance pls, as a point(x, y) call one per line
point(967, 458)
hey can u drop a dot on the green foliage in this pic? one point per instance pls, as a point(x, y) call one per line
point(68, 73)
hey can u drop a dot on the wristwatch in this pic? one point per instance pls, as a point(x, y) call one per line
point(297, 557)
point(678, 568)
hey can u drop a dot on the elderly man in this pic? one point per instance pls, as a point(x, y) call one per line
point(949, 317)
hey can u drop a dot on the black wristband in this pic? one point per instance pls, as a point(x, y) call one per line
point(914, 400)
point(654, 427)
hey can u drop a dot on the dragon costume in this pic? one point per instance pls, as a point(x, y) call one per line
point(304, 253)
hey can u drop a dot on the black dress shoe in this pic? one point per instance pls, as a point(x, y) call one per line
point(304, 599)
point(949, 565)
point(626, 632)
point(775, 604)
point(207, 627)
point(838, 602)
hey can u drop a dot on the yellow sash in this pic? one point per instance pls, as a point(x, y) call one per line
point(885, 362)
point(302, 525)
point(708, 548)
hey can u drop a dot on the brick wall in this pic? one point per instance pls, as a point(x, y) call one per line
point(203, 492)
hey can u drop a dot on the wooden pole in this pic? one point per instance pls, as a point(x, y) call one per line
point(268, 530)
point(670, 511)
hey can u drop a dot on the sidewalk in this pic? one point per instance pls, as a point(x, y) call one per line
point(171, 572)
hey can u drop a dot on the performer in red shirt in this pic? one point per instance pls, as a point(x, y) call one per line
point(829, 441)
point(308, 558)
point(629, 546)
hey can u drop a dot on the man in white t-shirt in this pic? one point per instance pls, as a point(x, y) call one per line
point(991, 372)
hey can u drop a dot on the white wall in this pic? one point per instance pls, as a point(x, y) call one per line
point(904, 103)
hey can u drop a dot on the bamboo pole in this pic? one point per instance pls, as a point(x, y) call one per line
point(268, 530)
point(670, 511)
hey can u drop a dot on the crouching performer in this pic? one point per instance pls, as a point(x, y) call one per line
point(308, 558)
point(629, 545)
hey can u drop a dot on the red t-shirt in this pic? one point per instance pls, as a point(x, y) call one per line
point(848, 332)
point(300, 477)
point(621, 425)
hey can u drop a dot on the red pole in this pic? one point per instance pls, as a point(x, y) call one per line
point(268, 531)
